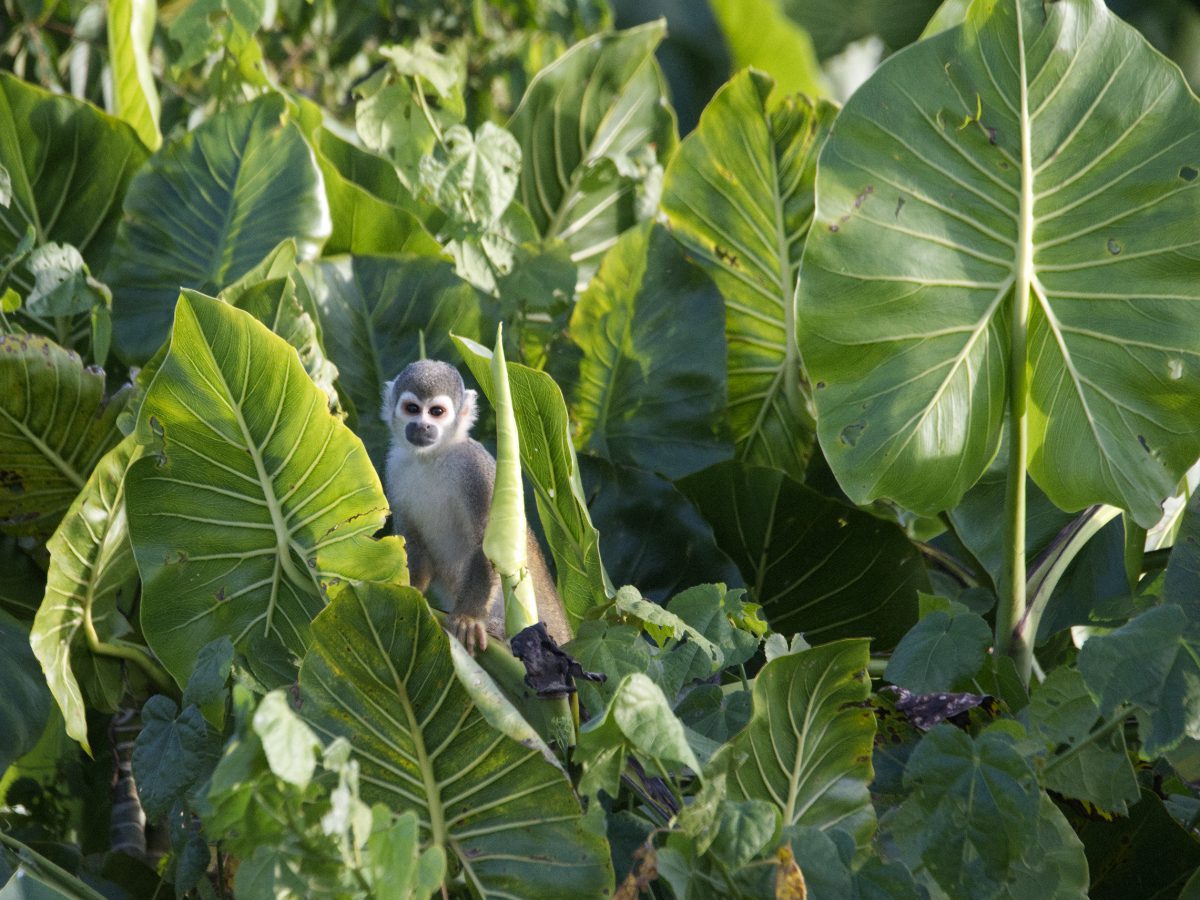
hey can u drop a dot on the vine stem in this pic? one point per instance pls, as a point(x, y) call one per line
point(1010, 639)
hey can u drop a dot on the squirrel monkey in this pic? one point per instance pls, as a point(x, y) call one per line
point(439, 484)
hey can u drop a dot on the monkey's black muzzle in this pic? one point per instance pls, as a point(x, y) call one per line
point(419, 434)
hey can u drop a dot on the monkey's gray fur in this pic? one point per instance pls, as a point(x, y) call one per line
point(439, 484)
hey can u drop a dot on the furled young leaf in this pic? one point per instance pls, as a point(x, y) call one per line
point(55, 423)
point(548, 460)
point(25, 703)
point(1028, 166)
point(379, 673)
point(375, 312)
point(250, 493)
point(135, 98)
point(638, 721)
point(943, 648)
point(1061, 714)
point(68, 165)
point(814, 564)
point(652, 377)
point(739, 195)
point(206, 210)
point(90, 588)
point(594, 126)
point(807, 748)
point(973, 811)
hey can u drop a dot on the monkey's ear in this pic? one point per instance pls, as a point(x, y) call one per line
point(469, 412)
point(386, 410)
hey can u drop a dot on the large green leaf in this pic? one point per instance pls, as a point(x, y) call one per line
point(69, 166)
point(652, 376)
point(89, 590)
point(815, 564)
point(55, 423)
point(250, 493)
point(593, 126)
point(206, 210)
point(135, 98)
point(1038, 144)
point(22, 583)
point(973, 811)
point(380, 674)
point(739, 194)
point(807, 748)
point(24, 701)
point(760, 35)
point(549, 462)
point(375, 312)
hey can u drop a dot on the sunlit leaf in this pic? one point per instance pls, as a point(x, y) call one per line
point(135, 97)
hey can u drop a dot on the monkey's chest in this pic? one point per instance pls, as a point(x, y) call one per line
point(432, 507)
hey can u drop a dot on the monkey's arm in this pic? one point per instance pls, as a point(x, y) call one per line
point(475, 590)
point(420, 565)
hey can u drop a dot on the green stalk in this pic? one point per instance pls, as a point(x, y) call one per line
point(1011, 607)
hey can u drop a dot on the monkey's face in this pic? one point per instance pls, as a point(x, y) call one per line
point(424, 421)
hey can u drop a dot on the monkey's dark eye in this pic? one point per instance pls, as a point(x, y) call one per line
point(437, 411)
point(412, 408)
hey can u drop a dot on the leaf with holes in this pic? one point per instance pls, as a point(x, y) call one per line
point(206, 210)
point(739, 195)
point(250, 495)
point(55, 424)
point(815, 564)
point(90, 589)
point(380, 674)
point(1006, 214)
point(594, 127)
point(807, 748)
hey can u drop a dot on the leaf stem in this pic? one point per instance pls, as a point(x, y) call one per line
point(130, 652)
point(1010, 610)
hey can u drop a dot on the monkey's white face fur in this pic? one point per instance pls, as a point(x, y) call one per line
point(424, 426)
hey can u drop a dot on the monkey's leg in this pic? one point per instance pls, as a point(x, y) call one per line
point(471, 597)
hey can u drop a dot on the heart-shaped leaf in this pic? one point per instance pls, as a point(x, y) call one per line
point(379, 673)
point(250, 493)
point(739, 194)
point(808, 744)
point(206, 209)
point(594, 125)
point(68, 165)
point(652, 376)
point(1019, 230)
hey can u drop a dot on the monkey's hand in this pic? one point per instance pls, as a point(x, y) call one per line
point(470, 631)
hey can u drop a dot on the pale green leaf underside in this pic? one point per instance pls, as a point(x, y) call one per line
point(380, 674)
point(739, 196)
point(92, 571)
point(808, 744)
point(906, 292)
point(251, 479)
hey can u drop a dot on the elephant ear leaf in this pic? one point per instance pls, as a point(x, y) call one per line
point(380, 673)
point(251, 495)
point(1019, 230)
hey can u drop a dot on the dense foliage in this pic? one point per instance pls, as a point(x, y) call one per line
point(859, 436)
